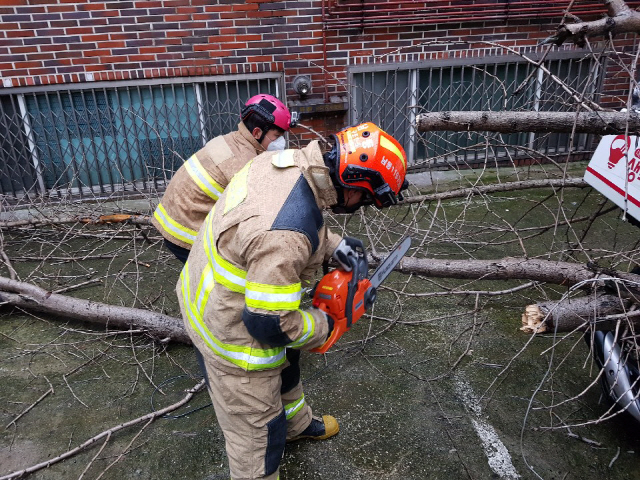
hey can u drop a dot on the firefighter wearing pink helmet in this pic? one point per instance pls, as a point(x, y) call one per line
point(198, 183)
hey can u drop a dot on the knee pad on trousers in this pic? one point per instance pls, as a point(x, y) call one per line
point(276, 440)
point(203, 368)
point(291, 374)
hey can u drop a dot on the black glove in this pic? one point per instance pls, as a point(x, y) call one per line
point(348, 247)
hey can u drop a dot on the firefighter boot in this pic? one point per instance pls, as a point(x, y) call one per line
point(319, 429)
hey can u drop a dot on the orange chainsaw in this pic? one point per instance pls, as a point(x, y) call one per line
point(346, 296)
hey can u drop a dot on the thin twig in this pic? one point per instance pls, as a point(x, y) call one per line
point(7, 262)
point(615, 457)
point(126, 449)
point(33, 404)
point(153, 415)
point(95, 456)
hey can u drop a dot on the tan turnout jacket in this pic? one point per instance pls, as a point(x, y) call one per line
point(199, 182)
point(241, 288)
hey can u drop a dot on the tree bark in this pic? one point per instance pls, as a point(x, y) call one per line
point(560, 273)
point(599, 311)
point(509, 268)
point(602, 123)
point(30, 297)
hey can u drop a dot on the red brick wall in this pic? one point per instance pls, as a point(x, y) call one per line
point(44, 42)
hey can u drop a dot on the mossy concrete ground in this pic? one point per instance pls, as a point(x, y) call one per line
point(439, 390)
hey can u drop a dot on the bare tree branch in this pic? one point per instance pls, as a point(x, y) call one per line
point(101, 220)
point(559, 273)
point(498, 187)
point(31, 297)
point(567, 315)
point(601, 123)
point(107, 433)
point(620, 19)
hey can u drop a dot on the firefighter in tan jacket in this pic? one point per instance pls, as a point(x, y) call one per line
point(200, 181)
point(240, 290)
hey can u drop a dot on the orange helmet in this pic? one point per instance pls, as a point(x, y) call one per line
point(371, 160)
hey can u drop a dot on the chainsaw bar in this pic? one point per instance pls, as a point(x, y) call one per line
point(389, 263)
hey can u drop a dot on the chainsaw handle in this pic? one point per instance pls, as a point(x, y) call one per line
point(364, 296)
point(339, 329)
point(352, 287)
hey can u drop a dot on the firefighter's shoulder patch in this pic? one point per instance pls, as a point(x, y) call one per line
point(283, 159)
point(218, 150)
point(237, 188)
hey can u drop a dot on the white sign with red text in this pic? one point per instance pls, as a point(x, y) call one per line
point(614, 170)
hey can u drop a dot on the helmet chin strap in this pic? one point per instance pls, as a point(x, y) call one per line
point(341, 206)
point(331, 161)
point(262, 134)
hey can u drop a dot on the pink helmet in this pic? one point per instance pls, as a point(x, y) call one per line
point(270, 109)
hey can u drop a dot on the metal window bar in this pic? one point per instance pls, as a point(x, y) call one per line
point(96, 139)
point(17, 178)
point(379, 94)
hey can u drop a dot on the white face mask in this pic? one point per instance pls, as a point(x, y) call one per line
point(279, 144)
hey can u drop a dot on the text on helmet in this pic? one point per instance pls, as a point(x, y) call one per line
point(394, 171)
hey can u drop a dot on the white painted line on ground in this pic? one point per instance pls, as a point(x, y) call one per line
point(497, 454)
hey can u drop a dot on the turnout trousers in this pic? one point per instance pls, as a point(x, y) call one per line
point(257, 412)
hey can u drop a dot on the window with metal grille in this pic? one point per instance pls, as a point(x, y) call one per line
point(110, 137)
point(64, 125)
point(393, 97)
point(17, 170)
point(224, 100)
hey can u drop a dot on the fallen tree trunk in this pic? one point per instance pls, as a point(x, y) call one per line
point(509, 268)
point(601, 312)
point(30, 297)
point(165, 328)
point(601, 123)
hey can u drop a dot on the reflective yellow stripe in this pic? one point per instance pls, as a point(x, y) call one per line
point(204, 289)
point(227, 274)
point(202, 178)
point(257, 295)
point(292, 408)
point(237, 188)
point(224, 272)
point(388, 144)
point(308, 330)
point(247, 358)
point(172, 227)
point(273, 297)
point(283, 159)
point(208, 235)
